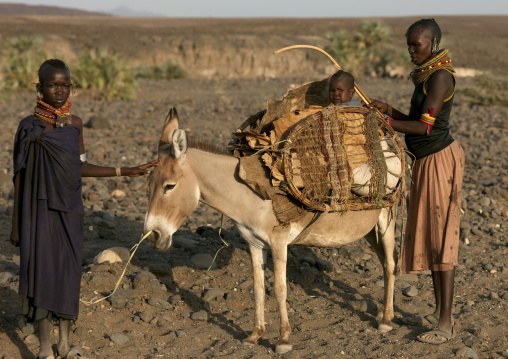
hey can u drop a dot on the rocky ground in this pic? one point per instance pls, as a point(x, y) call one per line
point(169, 305)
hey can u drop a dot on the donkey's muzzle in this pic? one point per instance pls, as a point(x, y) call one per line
point(156, 241)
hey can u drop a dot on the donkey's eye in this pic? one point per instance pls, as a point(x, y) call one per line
point(168, 187)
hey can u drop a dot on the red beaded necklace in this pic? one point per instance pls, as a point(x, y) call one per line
point(59, 116)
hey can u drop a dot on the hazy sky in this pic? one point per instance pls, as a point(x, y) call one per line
point(288, 8)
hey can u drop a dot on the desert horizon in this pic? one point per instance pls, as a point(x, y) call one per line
point(236, 48)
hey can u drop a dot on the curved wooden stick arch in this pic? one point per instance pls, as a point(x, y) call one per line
point(367, 101)
point(335, 64)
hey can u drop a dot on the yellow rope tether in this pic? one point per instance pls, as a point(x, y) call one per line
point(223, 241)
point(133, 250)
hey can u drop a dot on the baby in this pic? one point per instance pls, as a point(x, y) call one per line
point(342, 89)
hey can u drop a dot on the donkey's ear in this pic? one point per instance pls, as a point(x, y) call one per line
point(179, 145)
point(170, 125)
point(172, 116)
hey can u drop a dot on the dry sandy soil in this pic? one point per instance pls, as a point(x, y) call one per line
point(181, 310)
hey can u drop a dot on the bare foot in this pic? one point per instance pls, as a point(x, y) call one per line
point(63, 349)
point(45, 352)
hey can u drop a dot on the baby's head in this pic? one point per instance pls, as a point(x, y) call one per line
point(54, 82)
point(342, 87)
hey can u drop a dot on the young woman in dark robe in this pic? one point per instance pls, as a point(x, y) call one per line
point(47, 223)
point(433, 227)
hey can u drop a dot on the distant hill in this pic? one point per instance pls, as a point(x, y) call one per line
point(22, 9)
point(124, 11)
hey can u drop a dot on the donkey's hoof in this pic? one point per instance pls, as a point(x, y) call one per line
point(384, 328)
point(250, 341)
point(283, 347)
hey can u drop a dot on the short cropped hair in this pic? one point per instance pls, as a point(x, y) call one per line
point(428, 24)
point(59, 64)
point(344, 76)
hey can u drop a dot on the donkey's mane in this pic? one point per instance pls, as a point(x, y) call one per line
point(203, 145)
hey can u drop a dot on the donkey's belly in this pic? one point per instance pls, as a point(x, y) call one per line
point(335, 229)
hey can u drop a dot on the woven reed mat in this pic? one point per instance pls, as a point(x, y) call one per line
point(314, 150)
point(321, 151)
point(304, 96)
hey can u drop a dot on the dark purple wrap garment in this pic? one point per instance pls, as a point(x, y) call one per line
point(51, 215)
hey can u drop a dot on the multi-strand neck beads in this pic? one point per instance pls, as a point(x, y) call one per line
point(422, 73)
point(59, 117)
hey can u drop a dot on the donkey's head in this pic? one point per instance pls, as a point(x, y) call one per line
point(173, 187)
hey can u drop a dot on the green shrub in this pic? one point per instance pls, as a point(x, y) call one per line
point(105, 73)
point(343, 49)
point(368, 50)
point(488, 90)
point(168, 71)
point(21, 62)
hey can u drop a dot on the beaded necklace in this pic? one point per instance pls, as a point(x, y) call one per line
point(59, 116)
point(421, 73)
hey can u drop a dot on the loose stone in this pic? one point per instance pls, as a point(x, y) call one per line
point(410, 291)
point(175, 299)
point(324, 265)
point(466, 352)
point(213, 293)
point(159, 303)
point(146, 315)
point(203, 261)
point(202, 316)
point(119, 338)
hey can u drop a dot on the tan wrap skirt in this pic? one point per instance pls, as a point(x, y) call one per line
point(433, 224)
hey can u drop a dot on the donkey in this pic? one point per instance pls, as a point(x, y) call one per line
point(186, 176)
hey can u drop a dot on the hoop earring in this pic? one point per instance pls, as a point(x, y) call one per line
point(435, 47)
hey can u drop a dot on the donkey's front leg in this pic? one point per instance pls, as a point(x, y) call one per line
point(258, 262)
point(279, 254)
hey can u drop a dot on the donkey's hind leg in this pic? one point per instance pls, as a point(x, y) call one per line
point(383, 243)
point(258, 262)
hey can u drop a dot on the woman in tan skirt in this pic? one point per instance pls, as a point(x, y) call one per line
point(433, 227)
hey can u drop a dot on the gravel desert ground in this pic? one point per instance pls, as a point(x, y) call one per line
point(169, 305)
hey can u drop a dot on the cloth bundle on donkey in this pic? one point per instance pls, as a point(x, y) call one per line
point(333, 158)
point(305, 154)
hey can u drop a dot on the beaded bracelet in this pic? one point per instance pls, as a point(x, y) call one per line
point(389, 120)
point(429, 120)
point(118, 171)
